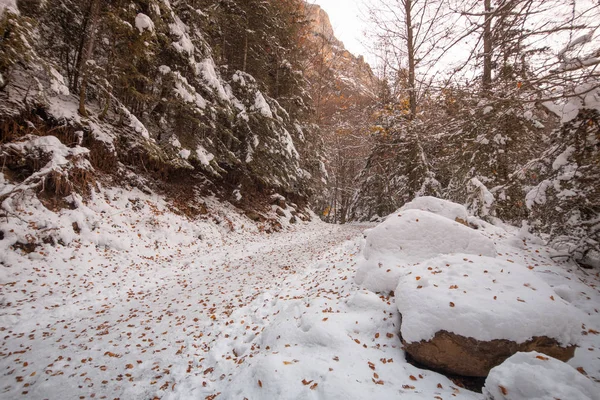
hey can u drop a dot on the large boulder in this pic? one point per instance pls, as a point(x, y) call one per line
point(465, 314)
point(535, 376)
point(411, 236)
point(444, 208)
point(460, 355)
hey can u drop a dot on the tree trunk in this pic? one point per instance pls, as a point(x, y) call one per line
point(410, 49)
point(86, 53)
point(245, 50)
point(487, 46)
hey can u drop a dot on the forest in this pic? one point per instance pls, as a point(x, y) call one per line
point(216, 199)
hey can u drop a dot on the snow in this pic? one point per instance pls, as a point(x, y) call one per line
point(536, 376)
point(585, 96)
point(482, 199)
point(537, 195)
point(261, 105)
point(482, 297)
point(188, 93)
point(286, 140)
point(144, 23)
point(57, 83)
point(10, 5)
point(437, 206)
point(563, 158)
point(142, 302)
point(183, 44)
point(136, 124)
point(185, 154)
point(204, 156)
point(411, 236)
point(207, 70)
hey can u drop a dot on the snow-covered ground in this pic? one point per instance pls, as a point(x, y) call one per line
point(144, 304)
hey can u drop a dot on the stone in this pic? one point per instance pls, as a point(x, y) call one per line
point(458, 355)
point(254, 216)
point(534, 375)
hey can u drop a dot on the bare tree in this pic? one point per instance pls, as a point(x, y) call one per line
point(412, 35)
point(87, 51)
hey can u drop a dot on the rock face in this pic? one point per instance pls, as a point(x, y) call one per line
point(459, 355)
point(352, 75)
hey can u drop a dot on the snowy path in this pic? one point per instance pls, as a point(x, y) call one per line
point(144, 304)
point(135, 324)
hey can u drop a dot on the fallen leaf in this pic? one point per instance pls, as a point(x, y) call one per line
point(452, 304)
point(582, 371)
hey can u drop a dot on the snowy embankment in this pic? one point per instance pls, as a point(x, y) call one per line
point(140, 303)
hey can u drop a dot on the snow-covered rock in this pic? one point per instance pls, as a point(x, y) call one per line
point(483, 298)
point(465, 314)
point(437, 206)
point(409, 237)
point(535, 376)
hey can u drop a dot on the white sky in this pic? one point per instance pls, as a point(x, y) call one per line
point(347, 23)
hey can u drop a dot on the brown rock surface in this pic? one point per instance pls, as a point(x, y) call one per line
point(455, 354)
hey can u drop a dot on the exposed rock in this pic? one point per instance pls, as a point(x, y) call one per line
point(462, 221)
point(466, 356)
point(304, 217)
point(254, 216)
point(293, 220)
point(278, 200)
point(280, 212)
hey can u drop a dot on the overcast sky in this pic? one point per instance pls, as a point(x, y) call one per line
point(347, 23)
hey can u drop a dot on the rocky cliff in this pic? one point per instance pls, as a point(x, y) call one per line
point(350, 73)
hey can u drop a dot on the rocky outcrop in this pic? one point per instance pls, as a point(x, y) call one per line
point(351, 74)
point(459, 355)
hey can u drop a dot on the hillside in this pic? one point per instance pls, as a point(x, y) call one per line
point(157, 108)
